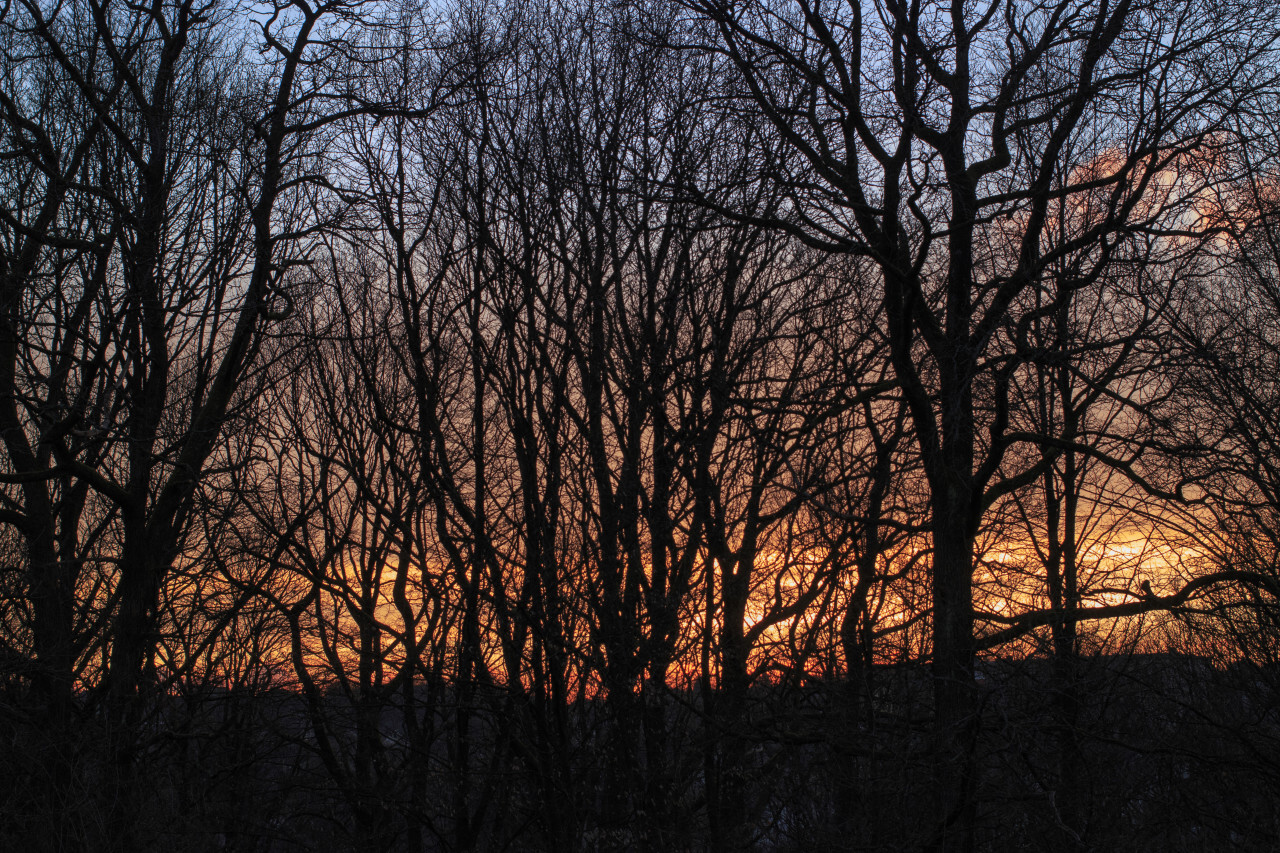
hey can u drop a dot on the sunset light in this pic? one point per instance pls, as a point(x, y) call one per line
point(644, 425)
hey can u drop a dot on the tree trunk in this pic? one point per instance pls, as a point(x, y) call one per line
point(955, 699)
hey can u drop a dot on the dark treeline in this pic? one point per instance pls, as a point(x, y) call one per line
point(674, 425)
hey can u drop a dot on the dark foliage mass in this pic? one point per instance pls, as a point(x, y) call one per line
point(661, 425)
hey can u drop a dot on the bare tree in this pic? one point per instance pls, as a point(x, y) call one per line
point(145, 261)
point(927, 137)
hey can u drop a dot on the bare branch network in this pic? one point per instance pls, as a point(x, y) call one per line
point(661, 425)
